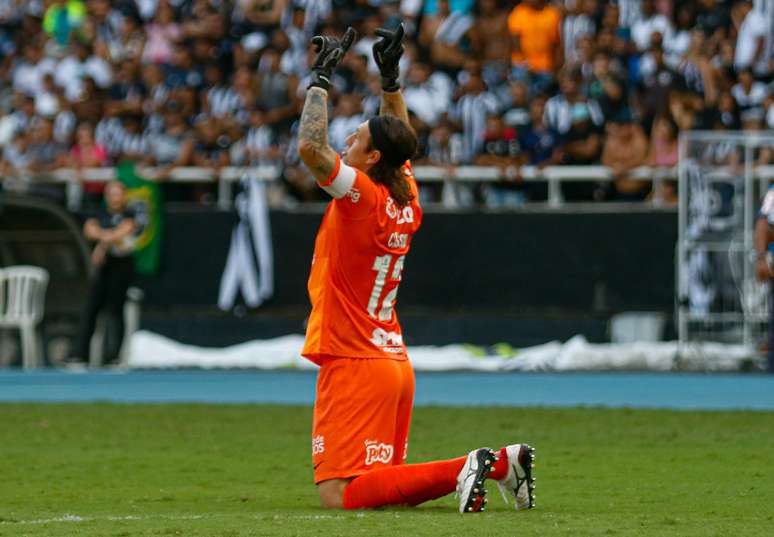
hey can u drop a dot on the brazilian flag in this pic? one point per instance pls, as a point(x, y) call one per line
point(145, 199)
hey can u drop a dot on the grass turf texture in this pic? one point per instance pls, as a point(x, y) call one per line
point(231, 471)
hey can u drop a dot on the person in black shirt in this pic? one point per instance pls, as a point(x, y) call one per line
point(114, 231)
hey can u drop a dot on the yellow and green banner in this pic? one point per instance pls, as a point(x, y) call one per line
point(145, 198)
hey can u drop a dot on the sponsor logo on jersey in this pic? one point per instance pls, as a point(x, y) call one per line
point(376, 451)
point(318, 445)
point(387, 341)
point(354, 194)
point(403, 215)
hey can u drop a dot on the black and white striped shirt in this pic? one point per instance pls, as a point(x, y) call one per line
point(558, 113)
point(223, 101)
point(573, 28)
point(472, 111)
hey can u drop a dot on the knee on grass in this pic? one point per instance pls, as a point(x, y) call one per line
point(332, 493)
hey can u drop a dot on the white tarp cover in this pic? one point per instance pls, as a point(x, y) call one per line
point(152, 351)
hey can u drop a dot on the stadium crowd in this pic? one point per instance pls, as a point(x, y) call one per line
point(213, 83)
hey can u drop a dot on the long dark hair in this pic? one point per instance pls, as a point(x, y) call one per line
point(401, 145)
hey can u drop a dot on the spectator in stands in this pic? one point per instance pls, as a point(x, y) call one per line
point(489, 36)
point(173, 146)
point(127, 93)
point(30, 68)
point(130, 41)
point(113, 230)
point(655, 86)
point(219, 100)
point(260, 140)
point(16, 161)
point(277, 91)
point(663, 147)
point(651, 22)
point(538, 143)
point(474, 104)
point(626, 148)
point(517, 105)
point(132, 141)
point(82, 62)
point(535, 29)
point(697, 70)
point(581, 146)
point(727, 113)
point(211, 149)
point(443, 34)
point(161, 35)
point(427, 94)
point(676, 44)
point(663, 153)
point(44, 152)
point(501, 149)
point(570, 105)
point(714, 19)
point(18, 117)
point(606, 87)
point(578, 22)
point(749, 95)
point(91, 103)
point(64, 19)
point(182, 72)
point(751, 51)
point(87, 153)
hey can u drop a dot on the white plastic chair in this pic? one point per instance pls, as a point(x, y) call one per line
point(22, 301)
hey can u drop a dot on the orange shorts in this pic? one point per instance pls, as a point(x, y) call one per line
point(362, 414)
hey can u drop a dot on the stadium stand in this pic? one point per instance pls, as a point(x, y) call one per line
point(218, 84)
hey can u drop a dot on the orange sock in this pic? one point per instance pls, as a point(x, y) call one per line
point(408, 484)
point(500, 466)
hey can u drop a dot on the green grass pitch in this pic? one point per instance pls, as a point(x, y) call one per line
point(232, 471)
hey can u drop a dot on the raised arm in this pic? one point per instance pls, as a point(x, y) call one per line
point(313, 146)
point(387, 52)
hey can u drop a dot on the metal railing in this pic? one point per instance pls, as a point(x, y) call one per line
point(225, 178)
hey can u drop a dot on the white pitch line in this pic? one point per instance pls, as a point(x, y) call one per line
point(76, 519)
point(70, 518)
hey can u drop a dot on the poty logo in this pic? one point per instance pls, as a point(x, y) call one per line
point(377, 452)
point(318, 445)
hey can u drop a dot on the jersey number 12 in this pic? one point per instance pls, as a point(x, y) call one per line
point(382, 267)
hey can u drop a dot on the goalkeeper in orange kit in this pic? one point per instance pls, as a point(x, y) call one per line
point(365, 386)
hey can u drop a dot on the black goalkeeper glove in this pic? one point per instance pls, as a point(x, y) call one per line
point(330, 52)
point(387, 53)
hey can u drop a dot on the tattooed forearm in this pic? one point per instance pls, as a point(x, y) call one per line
point(313, 134)
point(314, 118)
point(393, 105)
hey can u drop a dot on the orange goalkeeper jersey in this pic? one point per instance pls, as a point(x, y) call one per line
point(359, 255)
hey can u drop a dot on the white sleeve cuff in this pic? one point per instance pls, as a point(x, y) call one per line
point(342, 182)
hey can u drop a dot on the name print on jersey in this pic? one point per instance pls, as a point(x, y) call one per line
point(377, 452)
point(397, 240)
